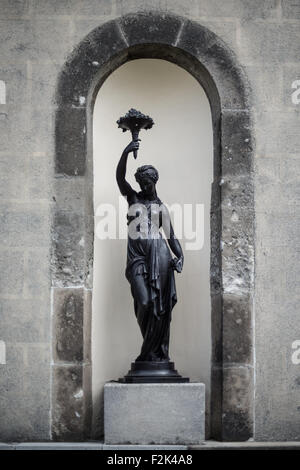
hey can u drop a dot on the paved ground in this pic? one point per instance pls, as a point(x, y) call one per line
point(207, 445)
point(248, 445)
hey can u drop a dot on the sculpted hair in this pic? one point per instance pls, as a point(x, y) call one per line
point(146, 171)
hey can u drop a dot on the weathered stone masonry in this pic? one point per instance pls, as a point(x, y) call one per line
point(206, 57)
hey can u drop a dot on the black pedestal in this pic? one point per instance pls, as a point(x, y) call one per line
point(153, 372)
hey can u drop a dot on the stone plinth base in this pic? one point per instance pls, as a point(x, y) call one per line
point(158, 413)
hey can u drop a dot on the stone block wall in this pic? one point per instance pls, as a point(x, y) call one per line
point(36, 37)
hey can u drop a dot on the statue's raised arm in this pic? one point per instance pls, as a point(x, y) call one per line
point(125, 188)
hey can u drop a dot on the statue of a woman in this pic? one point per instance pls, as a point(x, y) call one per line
point(150, 266)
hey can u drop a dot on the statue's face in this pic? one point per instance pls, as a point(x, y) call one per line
point(147, 186)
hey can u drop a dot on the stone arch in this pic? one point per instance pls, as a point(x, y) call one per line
point(210, 61)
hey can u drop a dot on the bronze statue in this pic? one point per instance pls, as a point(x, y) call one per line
point(150, 266)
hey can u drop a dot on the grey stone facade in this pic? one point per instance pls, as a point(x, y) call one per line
point(251, 51)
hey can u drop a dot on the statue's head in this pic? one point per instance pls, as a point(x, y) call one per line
point(147, 177)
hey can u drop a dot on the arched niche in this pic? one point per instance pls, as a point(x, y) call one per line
point(180, 146)
point(210, 61)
